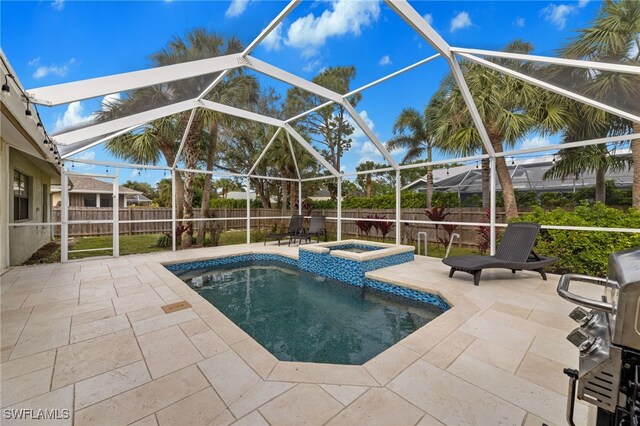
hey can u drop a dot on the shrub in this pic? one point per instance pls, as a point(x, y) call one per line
point(163, 241)
point(445, 199)
point(583, 252)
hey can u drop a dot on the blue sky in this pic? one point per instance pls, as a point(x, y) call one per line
point(54, 42)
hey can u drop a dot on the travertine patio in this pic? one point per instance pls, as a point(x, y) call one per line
point(91, 337)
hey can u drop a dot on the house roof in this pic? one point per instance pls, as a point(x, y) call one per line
point(138, 198)
point(85, 184)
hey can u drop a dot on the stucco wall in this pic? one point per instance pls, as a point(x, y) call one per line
point(4, 202)
point(25, 240)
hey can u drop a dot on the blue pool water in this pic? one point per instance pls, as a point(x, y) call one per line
point(301, 316)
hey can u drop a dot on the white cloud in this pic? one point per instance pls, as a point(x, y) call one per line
point(345, 16)
point(428, 17)
point(273, 41)
point(42, 71)
point(313, 65)
point(583, 3)
point(385, 60)
point(108, 100)
point(535, 141)
point(557, 14)
point(236, 8)
point(57, 4)
point(519, 22)
point(461, 20)
point(73, 116)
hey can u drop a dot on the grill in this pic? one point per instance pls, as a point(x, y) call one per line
point(608, 339)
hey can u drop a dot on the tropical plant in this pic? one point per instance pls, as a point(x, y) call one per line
point(410, 133)
point(364, 226)
point(381, 225)
point(613, 36)
point(509, 108)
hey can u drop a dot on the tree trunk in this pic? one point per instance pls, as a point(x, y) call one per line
point(429, 178)
point(601, 187)
point(367, 184)
point(502, 170)
point(486, 183)
point(285, 197)
point(190, 151)
point(293, 196)
point(635, 155)
point(206, 194)
point(264, 197)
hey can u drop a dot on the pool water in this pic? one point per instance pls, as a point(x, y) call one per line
point(300, 316)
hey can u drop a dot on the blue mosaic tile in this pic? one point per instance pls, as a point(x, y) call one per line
point(357, 246)
point(408, 293)
point(345, 270)
point(212, 263)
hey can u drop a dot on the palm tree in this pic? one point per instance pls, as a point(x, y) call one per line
point(410, 133)
point(165, 134)
point(614, 36)
point(510, 109)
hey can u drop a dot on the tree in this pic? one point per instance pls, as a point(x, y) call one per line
point(614, 36)
point(330, 126)
point(144, 187)
point(410, 133)
point(509, 108)
point(374, 183)
point(164, 135)
point(226, 185)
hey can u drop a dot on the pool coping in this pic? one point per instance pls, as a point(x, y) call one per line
point(387, 249)
point(377, 371)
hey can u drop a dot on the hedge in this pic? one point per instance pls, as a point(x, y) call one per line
point(409, 200)
point(583, 252)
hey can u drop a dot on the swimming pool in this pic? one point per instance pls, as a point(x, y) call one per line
point(300, 316)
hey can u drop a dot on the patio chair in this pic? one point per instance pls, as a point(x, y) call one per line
point(316, 229)
point(295, 228)
point(515, 252)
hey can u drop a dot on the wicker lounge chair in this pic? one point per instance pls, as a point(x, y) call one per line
point(295, 228)
point(316, 229)
point(514, 252)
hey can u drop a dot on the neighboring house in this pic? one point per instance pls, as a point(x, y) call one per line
point(526, 176)
point(240, 195)
point(85, 191)
point(321, 195)
point(137, 200)
point(27, 170)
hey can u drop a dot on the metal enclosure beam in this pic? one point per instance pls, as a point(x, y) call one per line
point(311, 150)
point(184, 138)
point(287, 77)
point(367, 131)
point(576, 63)
point(101, 86)
point(241, 113)
point(264, 151)
point(272, 26)
point(548, 86)
point(112, 126)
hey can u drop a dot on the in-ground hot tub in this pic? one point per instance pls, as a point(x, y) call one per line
point(349, 260)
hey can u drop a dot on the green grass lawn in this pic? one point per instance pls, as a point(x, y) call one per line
point(136, 244)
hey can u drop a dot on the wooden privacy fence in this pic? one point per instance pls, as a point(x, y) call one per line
point(158, 220)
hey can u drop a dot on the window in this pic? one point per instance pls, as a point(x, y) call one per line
point(90, 200)
point(106, 200)
point(20, 196)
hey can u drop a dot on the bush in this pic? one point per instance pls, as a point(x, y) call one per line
point(583, 252)
point(229, 203)
point(445, 199)
point(163, 241)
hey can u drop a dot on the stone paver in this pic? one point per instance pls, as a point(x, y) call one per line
point(90, 337)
